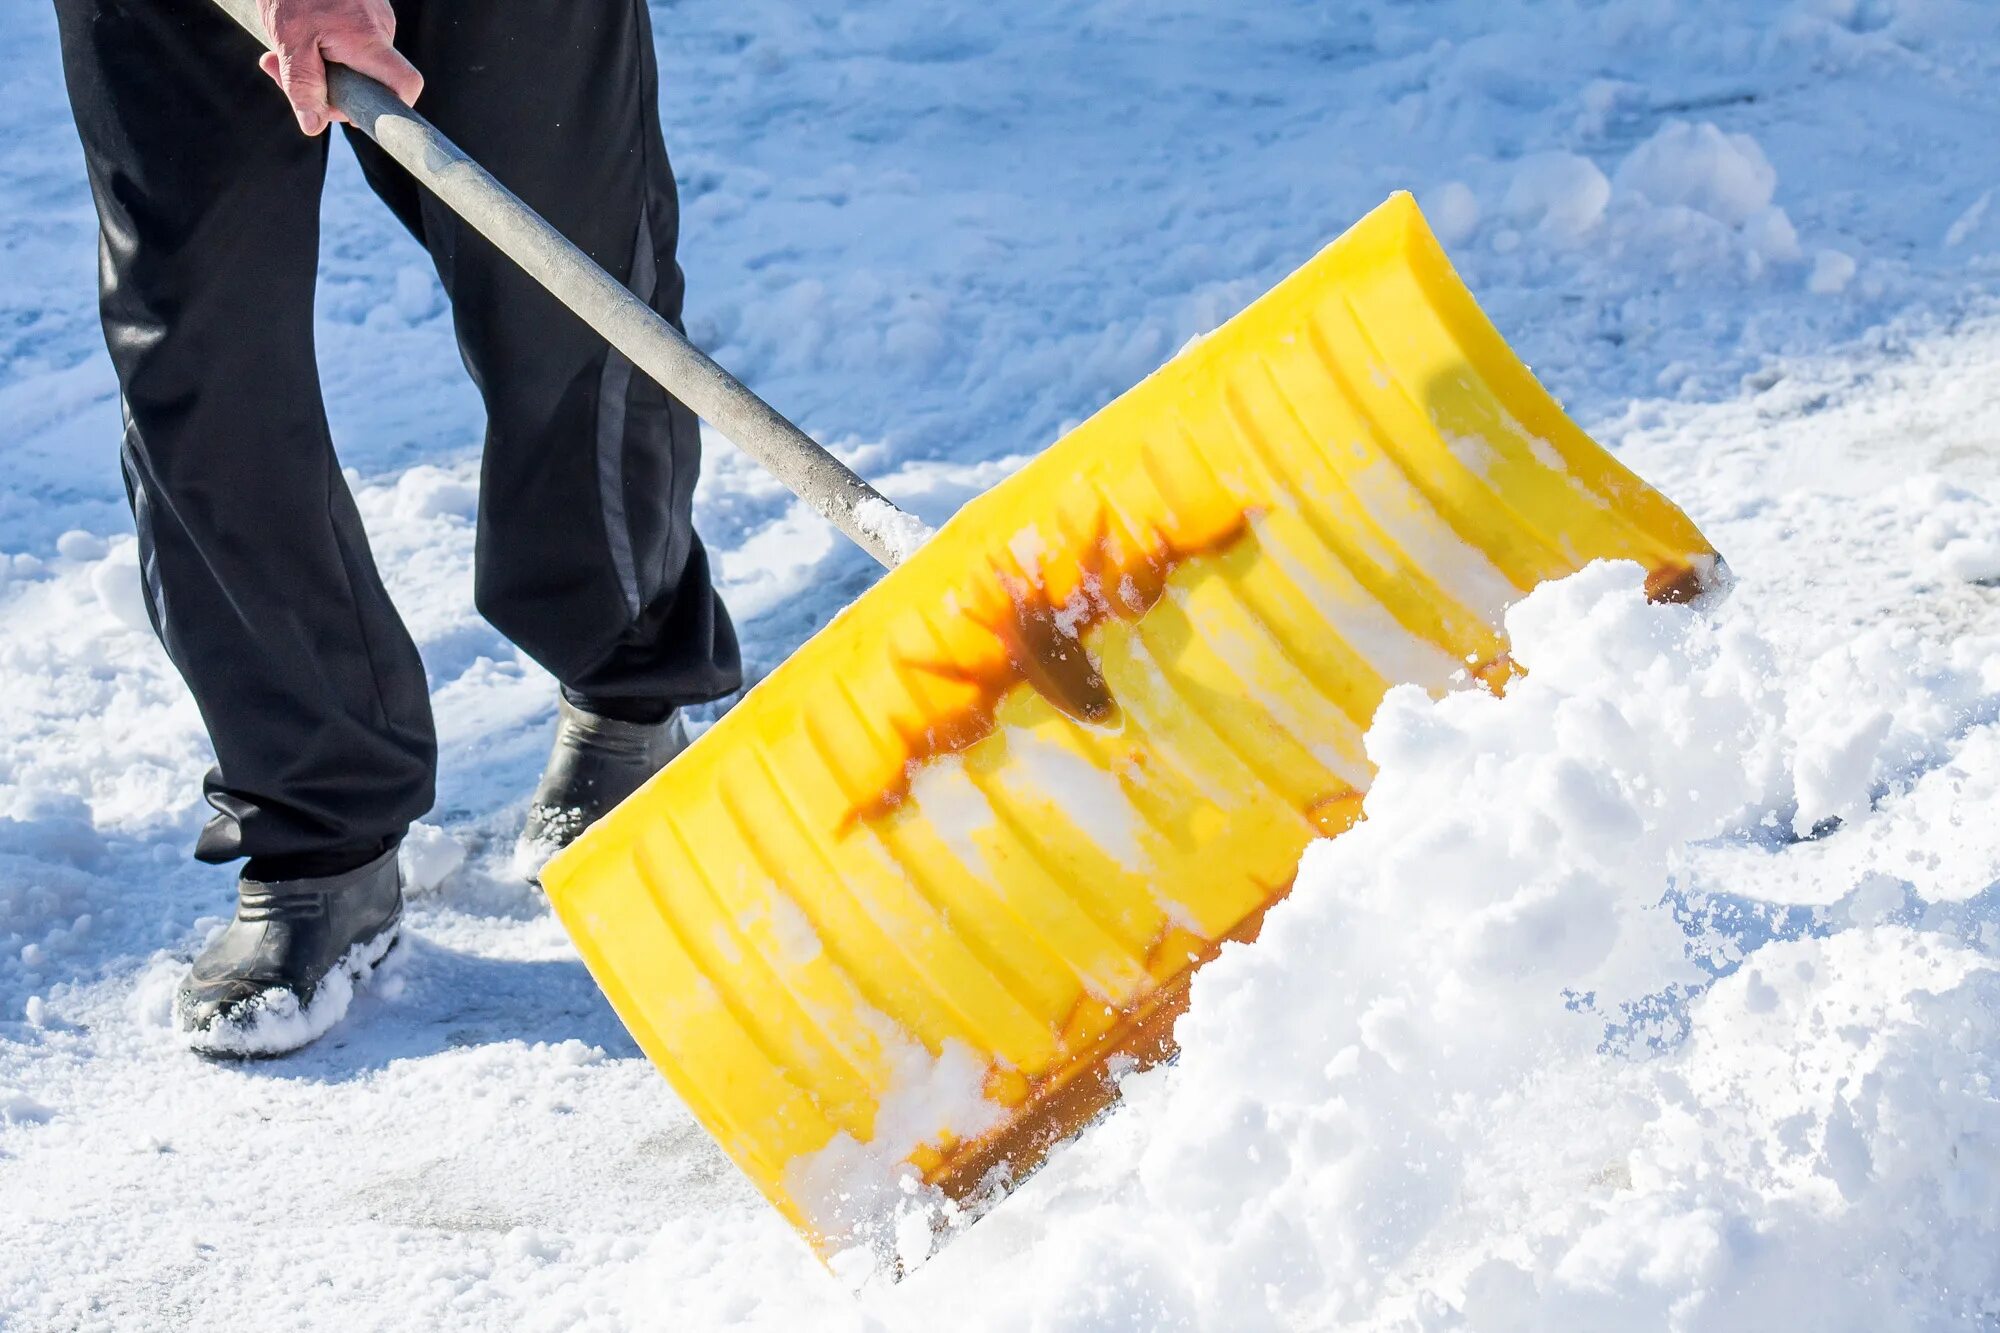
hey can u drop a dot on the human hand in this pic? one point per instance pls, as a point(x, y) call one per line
point(306, 34)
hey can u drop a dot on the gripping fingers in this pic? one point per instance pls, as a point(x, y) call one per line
point(307, 35)
point(301, 73)
point(383, 63)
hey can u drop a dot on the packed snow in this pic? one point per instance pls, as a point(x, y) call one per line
point(1660, 993)
point(898, 533)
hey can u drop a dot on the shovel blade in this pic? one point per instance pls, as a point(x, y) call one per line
point(895, 924)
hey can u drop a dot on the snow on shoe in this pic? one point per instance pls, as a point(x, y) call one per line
point(276, 1022)
point(282, 971)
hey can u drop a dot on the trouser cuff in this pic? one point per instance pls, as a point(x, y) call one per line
point(645, 711)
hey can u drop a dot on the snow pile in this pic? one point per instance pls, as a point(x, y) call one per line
point(1722, 176)
point(1888, 701)
point(1477, 1072)
point(1960, 530)
point(1686, 200)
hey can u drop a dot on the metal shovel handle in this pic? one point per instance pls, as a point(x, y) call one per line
point(600, 300)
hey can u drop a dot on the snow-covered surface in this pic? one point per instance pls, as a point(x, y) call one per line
point(1752, 246)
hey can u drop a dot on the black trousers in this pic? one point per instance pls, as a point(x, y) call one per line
point(258, 575)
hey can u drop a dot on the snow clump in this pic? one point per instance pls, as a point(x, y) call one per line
point(1562, 194)
point(1694, 172)
point(898, 533)
point(1960, 530)
point(429, 855)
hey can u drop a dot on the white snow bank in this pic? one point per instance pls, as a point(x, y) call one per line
point(1696, 193)
point(1477, 1073)
point(1691, 201)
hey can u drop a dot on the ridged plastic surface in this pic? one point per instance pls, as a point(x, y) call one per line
point(995, 813)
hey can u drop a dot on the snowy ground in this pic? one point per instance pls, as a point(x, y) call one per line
point(1752, 246)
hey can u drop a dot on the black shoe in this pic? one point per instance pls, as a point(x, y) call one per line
point(597, 762)
point(282, 972)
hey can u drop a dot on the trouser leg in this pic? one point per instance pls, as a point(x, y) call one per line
point(587, 555)
point(258, 576)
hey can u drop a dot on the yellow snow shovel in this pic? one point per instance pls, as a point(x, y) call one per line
point(908, 909)
point(893, 927)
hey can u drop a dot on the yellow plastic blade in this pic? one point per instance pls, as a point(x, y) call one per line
point(901, 910)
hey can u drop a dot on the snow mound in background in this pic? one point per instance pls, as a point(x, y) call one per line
point(1723, 175)
point(1960, 530)
point(1561, 193)
point(1478, 1071)
point(1890, 701)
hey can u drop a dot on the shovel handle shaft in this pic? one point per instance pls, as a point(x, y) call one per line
point(601, 301)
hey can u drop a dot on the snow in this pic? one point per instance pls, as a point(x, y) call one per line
point(430, 856)
point(1562, 193)
point(1491, 1061)
point(1832, 270)
point(1752, 247)
point(1960, 529)
point(900, 534)
point(871, 1206)
point(1723, 175)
